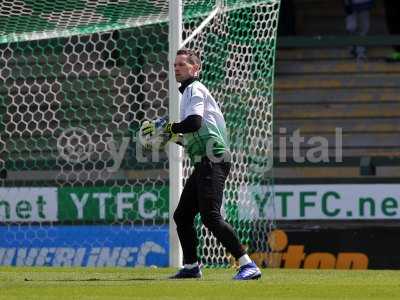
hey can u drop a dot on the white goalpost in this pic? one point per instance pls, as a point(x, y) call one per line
point(175, 155)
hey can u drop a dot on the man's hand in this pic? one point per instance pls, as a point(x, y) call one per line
point(148, 128)
point(156, 134)
point(170, 136)
point(168, 128)
point(177, 139)
point(146, 134)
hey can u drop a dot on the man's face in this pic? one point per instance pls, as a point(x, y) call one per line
point(183, 69)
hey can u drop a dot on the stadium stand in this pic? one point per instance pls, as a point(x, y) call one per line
point(320, 89)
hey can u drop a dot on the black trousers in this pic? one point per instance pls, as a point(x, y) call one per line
point(392, 10)
point(203, 193)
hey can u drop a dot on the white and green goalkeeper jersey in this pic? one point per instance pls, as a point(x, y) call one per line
point(211, 139)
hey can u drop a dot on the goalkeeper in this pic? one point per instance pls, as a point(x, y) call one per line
point(205, 140)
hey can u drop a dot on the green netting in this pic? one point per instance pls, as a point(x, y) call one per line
point(240, 76)
point(76, 75)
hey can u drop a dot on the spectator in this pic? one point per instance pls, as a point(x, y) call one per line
point(358, 22)
point(392, 10)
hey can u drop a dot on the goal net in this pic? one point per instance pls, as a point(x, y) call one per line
point(77, 78)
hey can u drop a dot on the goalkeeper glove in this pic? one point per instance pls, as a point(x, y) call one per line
point(169, 136)
point(152, 128)
point(158, 133)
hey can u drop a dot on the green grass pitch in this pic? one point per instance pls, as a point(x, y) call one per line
point(152, 283)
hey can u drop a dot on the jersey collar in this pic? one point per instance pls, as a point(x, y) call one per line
point(186, 83)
